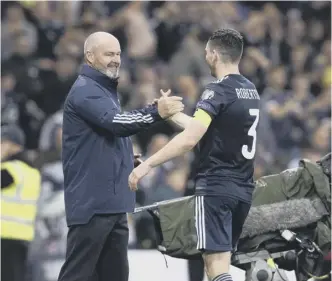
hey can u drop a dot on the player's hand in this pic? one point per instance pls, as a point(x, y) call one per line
point(168, 106)
point(137, 160)
point(142, 170)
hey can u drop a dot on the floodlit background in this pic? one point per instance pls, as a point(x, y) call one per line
point(287, 55)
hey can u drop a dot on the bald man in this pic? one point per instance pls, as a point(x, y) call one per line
point(97, 159)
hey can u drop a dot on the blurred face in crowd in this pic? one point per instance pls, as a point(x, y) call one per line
point(146, 74)
point(188, 87)
point(300, 84)
point(256, 27)
point(321, 137)
point(66, 67)
point(102, 52)
point(8, 83)
point(296, 31)
point(22, 46)
point(5, 147)
point(89, 17)
point(8, 148)
point(326, 49)
point(177, 180)
point(248, 66)
point(272, 13)
point(42, 11)
point(299, 56)
point(157, 143)
point(316, 30)
point(277, 78)
point(15, 14)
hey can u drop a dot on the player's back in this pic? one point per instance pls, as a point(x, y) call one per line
point(226, 152)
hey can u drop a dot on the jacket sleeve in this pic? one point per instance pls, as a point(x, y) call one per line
point(6, 178)
point(102, 111)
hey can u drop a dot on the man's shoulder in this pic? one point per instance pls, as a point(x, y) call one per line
point(222, 86)
point(231, 81)
point(83, 84)
point(225, 87)
point(81, 88)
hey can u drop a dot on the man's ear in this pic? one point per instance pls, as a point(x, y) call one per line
point(89, 57)
point(215, 55)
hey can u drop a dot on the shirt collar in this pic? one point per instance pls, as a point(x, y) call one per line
point(99, 77)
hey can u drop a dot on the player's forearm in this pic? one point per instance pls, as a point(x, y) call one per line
point(179, 145)
point(180, 119)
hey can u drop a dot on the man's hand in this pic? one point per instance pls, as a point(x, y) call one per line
point(137, 161)
point(168, 106)
point(138, 173)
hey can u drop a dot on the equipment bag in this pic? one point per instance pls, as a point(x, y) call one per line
point(175, 222)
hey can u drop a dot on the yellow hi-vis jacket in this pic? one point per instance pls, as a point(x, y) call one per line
point(19, 201)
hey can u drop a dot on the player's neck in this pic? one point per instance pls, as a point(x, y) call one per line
point(224, 70)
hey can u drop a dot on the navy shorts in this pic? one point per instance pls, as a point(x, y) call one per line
point(219, 222)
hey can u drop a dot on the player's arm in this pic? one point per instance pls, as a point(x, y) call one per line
point(180, 119)
point(208, 107)
point(184, 141)
point(194, 129)
point(183, 120)
point(179, 145)
point(210, 103)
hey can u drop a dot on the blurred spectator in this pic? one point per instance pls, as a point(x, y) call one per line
point(10, 112)
point(157, 176)
point(140, 36)
point(279, 106)
point(20, 182)
point(14, 26)
point(173, 187)
point(22, 64)
point(188, 88)
point(48, 140)
point(190, 58)
point(57, 83)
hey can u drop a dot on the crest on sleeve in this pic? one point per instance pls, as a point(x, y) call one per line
point(207, 94)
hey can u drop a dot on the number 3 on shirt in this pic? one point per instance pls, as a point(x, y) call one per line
point(253, 133)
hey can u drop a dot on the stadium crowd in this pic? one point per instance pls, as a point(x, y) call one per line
point(287, 55)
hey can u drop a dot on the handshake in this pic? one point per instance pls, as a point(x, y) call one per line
point(168, 106)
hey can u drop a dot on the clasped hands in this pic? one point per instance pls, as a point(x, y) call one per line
point(167, 107)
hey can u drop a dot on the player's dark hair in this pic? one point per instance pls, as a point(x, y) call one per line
point(229, 43)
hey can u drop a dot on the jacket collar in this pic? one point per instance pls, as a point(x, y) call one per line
point(102, 79)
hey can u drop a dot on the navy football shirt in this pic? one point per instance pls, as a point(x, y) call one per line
point(225, 154)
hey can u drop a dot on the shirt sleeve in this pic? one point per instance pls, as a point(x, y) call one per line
point(102, 111)
point(212, 101)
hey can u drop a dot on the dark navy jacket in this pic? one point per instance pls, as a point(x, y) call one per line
point(97, 153)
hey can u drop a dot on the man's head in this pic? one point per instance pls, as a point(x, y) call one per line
point(102, 51)
point(224, 47)
point(66, 67)
point(15, 13)
point(22, 46)
point(12, 140)
point(277, 77)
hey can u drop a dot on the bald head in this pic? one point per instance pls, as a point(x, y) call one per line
point(99, 38)
point(102, 51)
